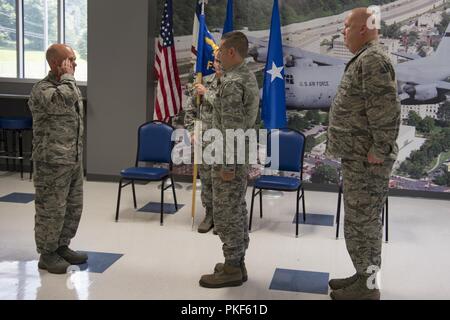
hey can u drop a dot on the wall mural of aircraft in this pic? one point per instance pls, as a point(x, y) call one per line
point(312, 79)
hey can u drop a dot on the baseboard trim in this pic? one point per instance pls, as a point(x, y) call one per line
point(308, 187)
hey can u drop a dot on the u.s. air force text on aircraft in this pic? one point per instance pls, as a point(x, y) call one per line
point(314, 84)
point(227, 309)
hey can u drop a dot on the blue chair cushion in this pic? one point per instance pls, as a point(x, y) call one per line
point(278, 183)
point(16, 123)
point(151, 174)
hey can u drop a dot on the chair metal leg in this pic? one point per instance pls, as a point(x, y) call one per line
point(260, 203)
point(251, 210)
point(5, 132)
point(162, 203)
point(14, 149)
point(134, 194)
point(174, 194)
point(31, 170)
point(338, 212)
point(118, 200)
point(297, 213)
point(387, 219)
point(303, 203)
point(21, 154)
point(31, 161)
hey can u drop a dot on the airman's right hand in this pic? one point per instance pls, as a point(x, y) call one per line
point(66, 68)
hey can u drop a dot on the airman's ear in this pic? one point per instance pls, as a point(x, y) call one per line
point(363, 30)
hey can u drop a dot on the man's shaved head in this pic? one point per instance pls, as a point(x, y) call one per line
point(359, 28)
point(58, 53)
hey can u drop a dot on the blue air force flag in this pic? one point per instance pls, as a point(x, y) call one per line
point(207, 47)
point(228, 26)
point(274, 98)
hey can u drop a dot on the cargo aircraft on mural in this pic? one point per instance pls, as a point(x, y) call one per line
point(312, 79)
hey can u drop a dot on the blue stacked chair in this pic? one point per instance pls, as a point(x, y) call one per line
point(15, 127)
point(291, 157)
point(155, 145)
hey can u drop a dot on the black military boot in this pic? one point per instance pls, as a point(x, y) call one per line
point(336, 284)
point(73, 257)
point(230, 276)
point(53, 263)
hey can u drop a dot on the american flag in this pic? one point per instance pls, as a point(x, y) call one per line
point(168, 92)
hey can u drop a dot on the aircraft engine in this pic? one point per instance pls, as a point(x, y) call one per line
point(258, 54)
point(422, 92)
point(290, 61)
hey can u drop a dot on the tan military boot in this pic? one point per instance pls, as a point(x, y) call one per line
point(219, 267)
point(206, 225)
point(53, 263)
point(229, 277)
point(336, 284)
point(358, 290)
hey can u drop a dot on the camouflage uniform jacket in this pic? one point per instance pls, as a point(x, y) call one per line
point(204, 113)
point(236, 105)
point(57, 110)
point(365, 114)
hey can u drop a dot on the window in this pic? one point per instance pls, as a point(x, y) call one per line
point(40, 30)
point(8, 57)
point(44, 22)
point(76, 33)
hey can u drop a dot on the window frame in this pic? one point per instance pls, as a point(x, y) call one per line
point(20, 41)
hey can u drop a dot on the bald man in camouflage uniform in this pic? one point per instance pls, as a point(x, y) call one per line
point(57, 108)
point(236, 106)
point(204, 113)
point(363, 129)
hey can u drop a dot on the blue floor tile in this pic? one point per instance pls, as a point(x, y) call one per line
point(154, 207)
point(18, 198)
point(300, 281)
point(99, 262)
point(316, 220)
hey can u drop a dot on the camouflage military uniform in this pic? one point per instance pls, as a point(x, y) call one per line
point(204, 114)
point(57, 110)
point(236, 106)
point(365, 117)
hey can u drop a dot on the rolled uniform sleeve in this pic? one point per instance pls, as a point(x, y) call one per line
point(232, 115)
point(382, 105)
point(58, 100)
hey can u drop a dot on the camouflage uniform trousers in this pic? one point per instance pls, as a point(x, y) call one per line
point(365, 190)
point(59, 203)
point(230, 213)
point(207, 192)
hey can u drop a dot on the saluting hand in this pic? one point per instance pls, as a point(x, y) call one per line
point(66, 67)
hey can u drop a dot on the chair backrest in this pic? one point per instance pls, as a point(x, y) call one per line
point(291, 149)
point(155, 142)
